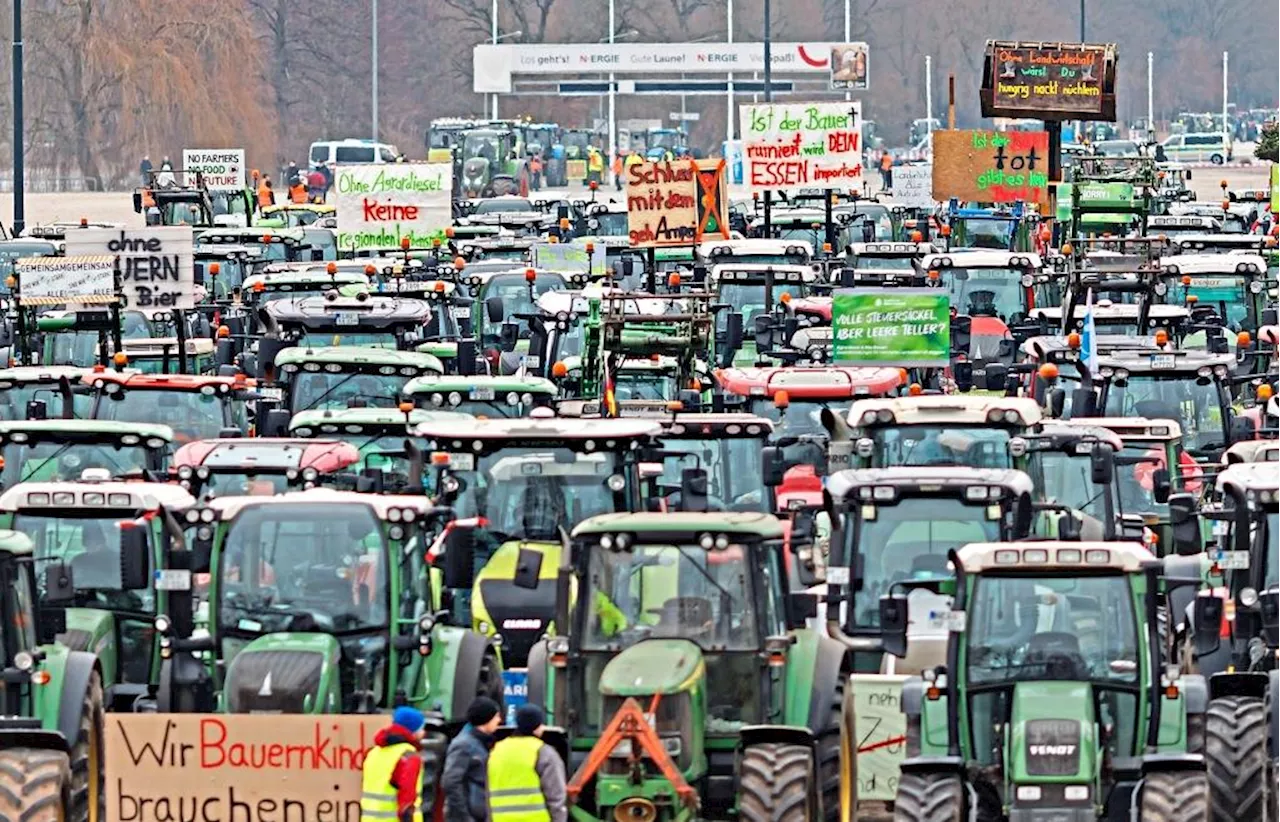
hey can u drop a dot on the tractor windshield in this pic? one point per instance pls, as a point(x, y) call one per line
point(1027, 629)
point(749, 298)
point(645, 385)
point(368, 339)
point(193, 415)
point(303, 567)
point(14, 398)
point(90, 546)
point(735, 478)
point(801, 417)
point(1228, 294)
point(868, 263)
point(60, 461)
point(669, 591)
point(323, 390)
point(1066, 479)
point(987, 292)
point(977, 447)
point(910, 540)
point(1197, 406)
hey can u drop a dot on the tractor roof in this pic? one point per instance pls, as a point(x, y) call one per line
point(41, 373)
point(982, 258)
point(722, 425)
point(46, 430)
point(305, 279)
point(1173, 361)
point(1260, 478)
point(927, 479)
point(229, 507)
point(250, 234)
point(357, 355)
point(552, 428)
point(756, 246)
point(954, 409)
point(280, 453)
point(1193, 264)
point(134, 380)
point(894, 249)
point(1196, 242)
point(682, 526)
point(355, 420)
point(1132, 428)
point(429, 384)
point(1051, 557)
point(1252, 451)
point(226, 251)
point(58, 497)
point(15, 542)
point(810, 381)
point(149, 347)
point(1057, 434)
point(1104, 310)
point(756, 273)
point(371, 310)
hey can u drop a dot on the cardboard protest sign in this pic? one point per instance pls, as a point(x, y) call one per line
point(849, 66)
point(157, 272)
point(662, 203)
point(569, 258)
point(1049, 80)
point(909, 327)
point(991, 166)
point(236, 766)
point(221, 169)
point(575, 169)
point(378, 204)
point(789, 146)
point(913, 185)
point(881, 727)
point(713, 200)
point(71, 280)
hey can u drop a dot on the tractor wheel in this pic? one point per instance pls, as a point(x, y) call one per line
point(831, 765)
point(777, 784)
point(1181, 796)
point(1236, 756)
point(35, 785)
point(88, 793)
point(929, 797)
point(1269, 778)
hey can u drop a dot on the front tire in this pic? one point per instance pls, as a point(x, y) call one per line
point(88, 794)
point(929, 797)
point(35, 785)
point(1236, 757)
point(777, 784)
point(1216, 159)
point(1175, 797)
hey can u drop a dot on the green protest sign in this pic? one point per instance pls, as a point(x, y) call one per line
point(891, 326)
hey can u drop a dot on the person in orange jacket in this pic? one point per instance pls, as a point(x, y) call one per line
point(617, 171)
point(266, 197)
point(298, 191)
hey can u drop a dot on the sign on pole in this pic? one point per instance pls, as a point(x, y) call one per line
point(221, 169)
point(235, 766)
point(849, 67)
point(1049, 81)
point(991, 166)
point(156, 263)
point(713, 199)
point(380, 204)
point(913, 185)
point(662, 203)
point(789, 146)
point(67, 280)
point(569, 258)
point(908, 327)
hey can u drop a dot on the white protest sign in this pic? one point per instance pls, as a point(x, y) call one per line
point(156, 267)
point(881, 728)
point(790, 146)
point(222, 169)
point(54, 280)
point(913, 186)
point(378, 205)
point(569, 258)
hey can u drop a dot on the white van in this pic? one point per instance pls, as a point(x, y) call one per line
point(331, 152)
point(1197, 147)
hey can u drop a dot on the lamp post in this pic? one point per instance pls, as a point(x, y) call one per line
point(614, 36)
point(728, 121)
point(374, 50)
point(19, 181)
point(495, 39)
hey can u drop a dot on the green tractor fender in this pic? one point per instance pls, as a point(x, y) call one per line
point(927, 715)
point(1182, 717)
point(58, 704)
point(461, 666)
point(94, 631)
point(815, 680)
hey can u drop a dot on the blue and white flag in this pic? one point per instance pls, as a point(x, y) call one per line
point(1089, 335)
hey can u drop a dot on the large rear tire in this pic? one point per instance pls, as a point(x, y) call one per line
point(1236, 756)
point(35, 785)
point(777, 784)
point(88, 784)
point(1181, 796)
point(832, 767)
point(929, 797)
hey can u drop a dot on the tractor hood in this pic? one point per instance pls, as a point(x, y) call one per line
point(282, 673)
point(654, 666)
point(1052, 733)
point(88, 629)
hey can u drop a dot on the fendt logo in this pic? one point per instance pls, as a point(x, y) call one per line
point(1051, 750)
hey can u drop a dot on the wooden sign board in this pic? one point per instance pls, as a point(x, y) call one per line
point(1049, 81)
point(991, 166)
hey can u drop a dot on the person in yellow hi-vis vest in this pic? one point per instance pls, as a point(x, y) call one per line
point(392, 775)
point(526, 775)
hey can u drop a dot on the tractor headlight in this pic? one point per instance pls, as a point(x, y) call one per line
point(192, 515)
point(616, 482)
point(393, 515)
point(1248, 597)
point(396, 532)
point(162, 624)
point(24, 661)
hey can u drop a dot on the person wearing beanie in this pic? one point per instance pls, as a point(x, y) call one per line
point(392, 773)
point(527, 776)
point(465, 777)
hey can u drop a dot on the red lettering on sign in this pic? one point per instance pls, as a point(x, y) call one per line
point(840, 142)
point(376, 212)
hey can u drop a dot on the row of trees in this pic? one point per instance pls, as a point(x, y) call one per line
point(109, 81)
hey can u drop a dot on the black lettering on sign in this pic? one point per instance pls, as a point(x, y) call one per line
point(226, 805)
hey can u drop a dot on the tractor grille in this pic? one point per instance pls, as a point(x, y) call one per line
point(272, 681)
point(1053, 747)
point(75, 640)
point(674, 720)
point(520, 615)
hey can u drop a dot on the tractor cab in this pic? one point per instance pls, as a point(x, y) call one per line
point(753, 252)
point(274, 245)
point(517, 488)
point(496, 248)
point(297, 283)
point(332, 320)
point(115, 600)
point(82, 337)
point(223, 268)
point(868, 258)
point(502, 303)
point(993, 229)
point(63, 450)
point(489, 158)
point(295, 215)
point(262, 465)
point(194, 407)
point(1073, 468)
point(1176, 226)
point(1220, 243)
point(997, 289)
point(170, 355)
point(481, 396)
point(37, 392)
point(163, 201)
point(1052, 702)
point(334, 377)
point(752, 291)
point(1227, 290)
point(388, 461)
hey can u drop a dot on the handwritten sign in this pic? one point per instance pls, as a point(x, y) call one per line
point(789, 146)
point(569, 258)
point(881, 728)
point(907, 327)
point(662, 203)
point(1049, 80)
point(913, 185)
point(56, 280)
point(378, 204)
point(247, 767)
point(157, 271)
point(991, 166)
point(221, 169)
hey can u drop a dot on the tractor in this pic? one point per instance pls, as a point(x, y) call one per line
point(259, 465)
point(62, 450)
point(194, 407)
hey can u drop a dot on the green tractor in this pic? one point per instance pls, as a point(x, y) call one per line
point(321, 602)
point(1054, 701)
point(51, 735)
point(685, 678)
point(61, 450)
point(74, 524)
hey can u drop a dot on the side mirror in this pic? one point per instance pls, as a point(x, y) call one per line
point(1023, 512)
point(508, 336)
point(493, 309)
point(801, 607)
point(275, 423)
point(528, 569)
point(1055, 402)
point(37, 410)
point(135, 566)
point(1069, 527)
point(59, 587)
point(1161, 485)
point(774, 466)
point(459, 558)
point(1206, 620)
point(224, 353)
point(1102, 465)
point(1185, 522)
point(893, 624)
point(229, 432)
point(137, 202)
point(733, 336)
point(997, 376)
point(693, 490)
point(466, 357)
point(1083, 403)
